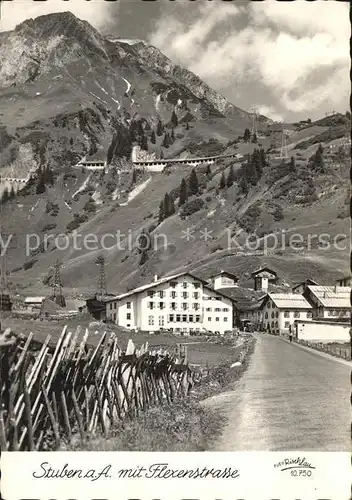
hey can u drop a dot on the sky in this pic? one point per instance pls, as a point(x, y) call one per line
point(290, 60)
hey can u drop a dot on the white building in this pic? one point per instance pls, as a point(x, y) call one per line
point(223, 280)
point(181, 303)
point(280, 310)
point(345, 281)
point(322, 331)
point(33, 303)
point(329, 301)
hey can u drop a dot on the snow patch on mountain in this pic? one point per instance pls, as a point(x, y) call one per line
point(128, 85)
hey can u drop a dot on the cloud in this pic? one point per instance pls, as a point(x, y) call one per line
point(15, 12)
point(269, 112)
point(278, 46)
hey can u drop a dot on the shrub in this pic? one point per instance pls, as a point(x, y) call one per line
point(250, 218)
point(49, 227)
point(90, 206)
point(191, 207)
point(29, 264)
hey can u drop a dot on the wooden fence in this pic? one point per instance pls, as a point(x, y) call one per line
point(52, 395)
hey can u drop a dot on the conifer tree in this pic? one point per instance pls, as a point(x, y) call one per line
point(254, 138)
point(292, 164)
point(222, 183)
point(159, 128)
point(174, 119)
point(208, 170)
point(187, 126)
point(247, 135)
point(144, 143)
point(173, 135)
point(262, 158)
point(183, 193)
point(166, 140)
point(231, 177)
point(153, 138)
point(243, 184)
point(5, 196)
point(161, 212)
point(193, 184)
point(134, 176)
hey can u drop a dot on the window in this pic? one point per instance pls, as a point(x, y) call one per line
point(184, 306)
point(151, 305)
point(178, 317)
point(196, 285)
point(184, 284)
point(269, 305)
point(173, 284)
point(225, 319)
point(309, 314)
point(208, 309)
point(197, 319)
point(171, 318)
point(277, 314)
point(173, 294)
point(128, 305)
point(286, 314)
point(151, 320)
point(161, 294)
point(195, 295)
point(161, 321)
point(217, 309)
point(225, 310)
point(111, 305)
point(184, 295)
point(115, 317)
point(209, 319)
point(115, 305)
point(296, 314)
point(173, 305)
point(266, 315)
point(272, 314)
point(190, 318)
point(128, 316)
point(151, 293)
point(184, 318)
point(196, 307)
point(216, 319)
point(287, 324)
point(330, 313)
point(161, 305)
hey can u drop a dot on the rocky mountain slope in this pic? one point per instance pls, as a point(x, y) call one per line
point(74, 93)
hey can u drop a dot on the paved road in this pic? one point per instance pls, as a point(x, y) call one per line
point(288, 399)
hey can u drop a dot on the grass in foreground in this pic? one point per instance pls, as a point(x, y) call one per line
point(182, 426)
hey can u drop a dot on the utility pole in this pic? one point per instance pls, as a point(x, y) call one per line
point(283, 152)
point(254, 114)
point(57, 296)
point(102, 278)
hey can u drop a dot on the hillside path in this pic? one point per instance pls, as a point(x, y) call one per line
point(288, 399)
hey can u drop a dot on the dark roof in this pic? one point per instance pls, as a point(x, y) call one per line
point(165, 279)
point(240, 294)
point(254, 273)
point(305, 282)
point(226, 273)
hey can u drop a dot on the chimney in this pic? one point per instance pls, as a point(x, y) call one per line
point(155, 277)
